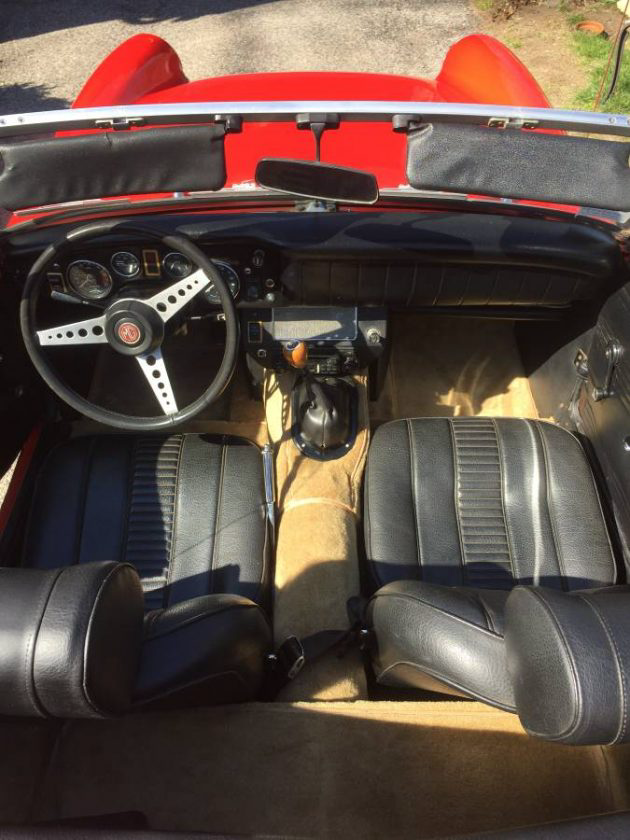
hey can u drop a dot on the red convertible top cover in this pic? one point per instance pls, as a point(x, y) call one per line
point(511, 163)
point(34, 173)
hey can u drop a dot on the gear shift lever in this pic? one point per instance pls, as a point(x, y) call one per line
point(322, 412)
point(296, 354)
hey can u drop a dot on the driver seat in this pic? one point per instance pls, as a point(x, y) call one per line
point(188, 512)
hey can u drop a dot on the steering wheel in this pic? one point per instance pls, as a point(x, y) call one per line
point(134, 327)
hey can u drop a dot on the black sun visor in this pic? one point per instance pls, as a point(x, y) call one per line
point(34, 173)
point(511, 163)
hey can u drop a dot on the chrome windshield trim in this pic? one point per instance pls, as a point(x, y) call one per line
point(124, 116)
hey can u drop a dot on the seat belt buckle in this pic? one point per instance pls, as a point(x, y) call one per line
point(290, 657)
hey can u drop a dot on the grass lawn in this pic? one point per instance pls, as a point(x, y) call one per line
point(569, 65)
point(594, 52)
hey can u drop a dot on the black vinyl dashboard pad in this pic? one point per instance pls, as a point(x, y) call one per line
point(511, 163)
point(35, 173)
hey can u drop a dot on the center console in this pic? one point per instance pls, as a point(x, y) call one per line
point(340, 340)
point(324, 345)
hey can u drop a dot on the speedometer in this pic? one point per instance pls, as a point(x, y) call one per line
point(231, 278)
point(89, 279)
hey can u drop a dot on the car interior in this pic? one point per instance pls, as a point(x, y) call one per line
point(374, 582)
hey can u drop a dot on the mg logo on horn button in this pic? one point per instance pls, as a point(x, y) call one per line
point(129, 333)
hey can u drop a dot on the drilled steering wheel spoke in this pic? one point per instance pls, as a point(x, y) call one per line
point(90, 331)
point(153, 367)
point(170, 300)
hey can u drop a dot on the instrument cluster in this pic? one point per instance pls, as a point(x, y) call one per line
point(106, 271)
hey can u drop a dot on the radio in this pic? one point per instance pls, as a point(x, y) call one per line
point(340, 340)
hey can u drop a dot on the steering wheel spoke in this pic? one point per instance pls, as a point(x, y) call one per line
point(154, 369)
point(170, 300)
point(90, 331)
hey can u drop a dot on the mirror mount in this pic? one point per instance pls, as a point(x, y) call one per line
point(315, 205)
point(318, 123)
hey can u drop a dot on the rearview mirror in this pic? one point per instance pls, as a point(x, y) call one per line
point(324, 181)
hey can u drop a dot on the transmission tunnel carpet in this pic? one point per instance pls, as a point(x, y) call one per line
point(317, 564)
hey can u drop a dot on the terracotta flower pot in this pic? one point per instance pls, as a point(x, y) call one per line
point(591, 27)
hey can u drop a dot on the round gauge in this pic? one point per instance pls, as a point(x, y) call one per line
point(177, 265)
point(125, 264)
point(231, 278)
point(89, 279)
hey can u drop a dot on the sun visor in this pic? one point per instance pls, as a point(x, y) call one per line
point(510, 163)
point(34, 173)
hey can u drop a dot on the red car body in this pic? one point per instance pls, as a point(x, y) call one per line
point(145, 69)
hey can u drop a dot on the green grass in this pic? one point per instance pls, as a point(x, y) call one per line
point(593, 51)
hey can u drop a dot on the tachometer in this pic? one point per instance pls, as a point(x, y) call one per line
point(125, 264)
point(231, 278)
point(177, 265)
point(89, 279)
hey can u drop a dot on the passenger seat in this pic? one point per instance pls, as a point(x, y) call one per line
point(458, 511)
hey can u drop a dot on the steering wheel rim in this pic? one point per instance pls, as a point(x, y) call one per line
point(28, 306)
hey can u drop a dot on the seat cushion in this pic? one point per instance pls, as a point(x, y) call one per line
point(188, 511)
point(206, 651)
point(485, 503)
point(441, 638)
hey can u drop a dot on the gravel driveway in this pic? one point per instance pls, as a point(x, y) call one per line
point(48, 48)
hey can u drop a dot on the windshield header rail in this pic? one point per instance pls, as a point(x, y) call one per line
point(120, 117)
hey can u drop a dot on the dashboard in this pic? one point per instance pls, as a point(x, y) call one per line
point(341, 335)
point(98, 273)
point(332, 279)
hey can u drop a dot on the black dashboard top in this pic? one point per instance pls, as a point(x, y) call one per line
point(369, 257)
point(453, 236)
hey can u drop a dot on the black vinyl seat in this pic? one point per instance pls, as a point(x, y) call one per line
point(458, 511)
point(188, 513)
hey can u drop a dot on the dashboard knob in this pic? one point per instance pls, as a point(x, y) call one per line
point(373, 336)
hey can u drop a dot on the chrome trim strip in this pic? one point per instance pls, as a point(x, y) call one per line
point(286, 111)
point(270, 490)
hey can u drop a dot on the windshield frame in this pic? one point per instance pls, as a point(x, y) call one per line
point(403, 115)
point(122, 117)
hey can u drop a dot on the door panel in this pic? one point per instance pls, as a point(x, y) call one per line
point(603, 405)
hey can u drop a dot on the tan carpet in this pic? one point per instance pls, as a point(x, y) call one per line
point(452, 367)
point(243, 417)
point(317, 566)
point(327, 770)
